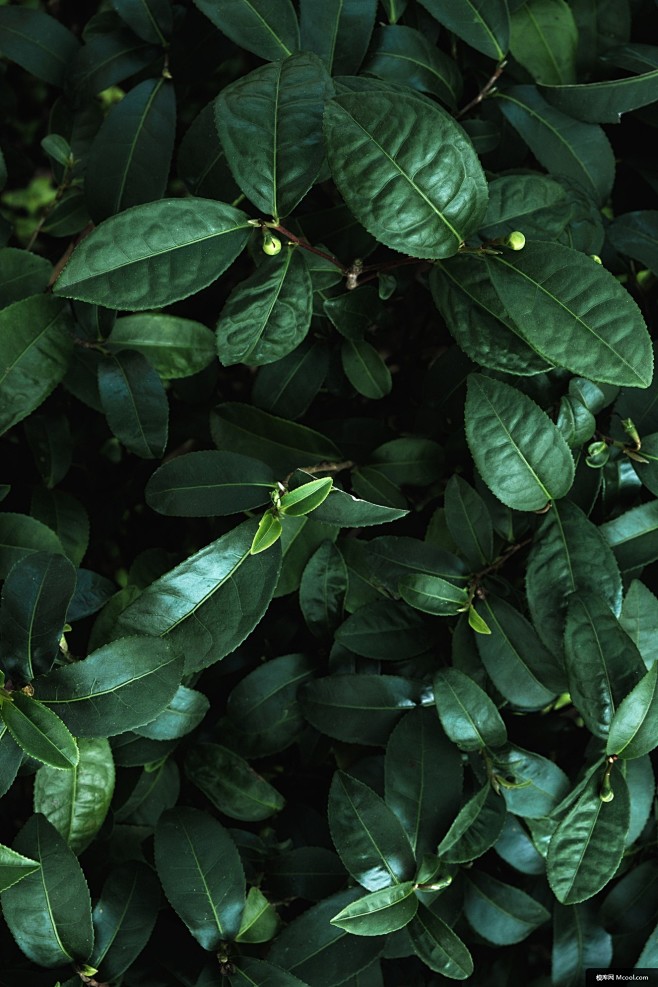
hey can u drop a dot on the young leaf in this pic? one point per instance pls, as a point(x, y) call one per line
point(267, 534)
point(49, 911)
point(380, 912)
point(424, 205)
point(201, 874)
point(518, 451)
point(302, 500)
point(154, 254)
point(467, 715)
point(124, 917)
point(209, 484)
point(39, 731)
point(438, 946)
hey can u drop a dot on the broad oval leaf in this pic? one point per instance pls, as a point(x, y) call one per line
point(499, 912)
point(406, 170)
point(517, 449)
point(380, 912)
point(368, 836)
point(229, 782)
point(49, 911)
point(482, 24)
point(270, 127)
point(194, 603)
point(467, 715)
point(475, 829)
point(201, 873)
point(124, 917)
point(180, 716)
point(359, 709)
point(386, 630)
point(76, 801)
point(155, 254)
point(634, 726)
point(22, 536)
point(537, 784)
point(338, 31)
point(365, 369)
point(544, 40)
point(269, 314)
point(267, 27)
point(39, 731)
point(438, 946)
point(406, 56)
point(173, 346)
point(587, 847)
point(209, 484)
point(120, 686)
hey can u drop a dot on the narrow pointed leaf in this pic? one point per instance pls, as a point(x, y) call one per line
point(124, 917)
point(209, 484)
point(14, 867)
point(37, 42)
point(40, 732)
point(482, 24)
point(380, 912)
point(432, 594)
point(475, 829)
point(152, 20)
point(268, 28)
point(499, 912)
point(603, 102)
point(231, 784)
point(438, 946)
point(251, 972)
point(135, 403)
point(579, 942)
point(634, 726)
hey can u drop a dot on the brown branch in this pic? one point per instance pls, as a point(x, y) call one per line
point(484, 92)
point(307, 246)
point(64, 259)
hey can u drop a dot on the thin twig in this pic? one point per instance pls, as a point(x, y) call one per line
point(486, 89)
point(307, 246)
point(64, 259)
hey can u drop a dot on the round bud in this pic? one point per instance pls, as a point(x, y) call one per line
point(515, 240)
point(271, 244)
point(596, 258)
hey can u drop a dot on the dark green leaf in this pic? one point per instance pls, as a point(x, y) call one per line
point(37, 42)
point(544, 40)
point(173, 346)
point(49, 911)
point(231, 784)
point(108, 58)
point(348, 511)
point(154, 254)
point(14, 867)
point(475, 829)
point(639, 618)
point(11, 756)
point(533, 203)
point(438, 946)
point(360, 709)
point(385, 630)
point(469, 522)
point(49, 437)
point(634, 725)
point(21, 536)
point(322, 589)
point(468, 716)
point(482, 24)
point(152, 20)
point(377, 145)
point(129, 159)
point(307, 872)
point(201, 874)
point(405, 56)
point(288, 386)
point(412, 461)
point(201, 160)
point(22, 275)
point(636, 235)
point(270, 126)
point(434, 595)
point(368, 836)
point(380, 912)
point(365, 369)
point(39, 731)
point(338, 31)
point(268, 315)
point(200, 616)
point(579, 942)
point(66, 517)
point(76, 801)
point(35, 599)
point(266, 27)
point(633, 536)
point(537, 784)
point(499, 912)
point(124, 917)
point(587, 846)
point(120, 686)
point(250, 972)
point(179, 717)
point(603, 102)
point(207, 484)
point(135, 403)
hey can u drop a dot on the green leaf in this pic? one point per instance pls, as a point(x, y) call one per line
point(21, 536)
point(155, 254)
point(538, 785)
point(365, 369)
point(135, 403)
point(602, 662)
point(574, 313)
point(562, 145)
point(516, 661)
point(260, 921)
point(287, 387)
point(251, 972)
point(268, 28)
point(181, 715)
point(405, 56)
point(194, 603)
point(49, 911)
point(579, 942)
point(534, 203)
point(229, 782)
point(22, 275)
point(208, 484)
point(322, 590)
point(37, 42)
point(270, 126)
point(482, 24)
point(35, 598)
point(66, 517)
point(130, 156)
point(201, 874)
point(518, 451)
point(499, 912)
point(14, 867)
point(569, 555)
point(267, 534)
point(306, 498)
point(201, 161)
point(348, 511)
point(633, 536)
point(421, 762)
point(475, 829)
point(338, 31)
point(124, 917)
point(380, 912)
point(307, 872)
point(320, 952)
point(424, 204)
point(267, 315)
point(152, 20)
point(11, 756)
point(367, 835)
point(35, 343)
point(386, 630)
point(587, 847)
point(434, 595)
point(76, 801)
point(603, 102)
point(634, 725)
point(359, 709)
point(636, 235)
point(39, 731)
point(281, 444)
point(120, 686)
point(468, 716)
point(469, 522)
point(438, 946)
point(49, 437)
point(413, 461)
point(110, 57)
point(544, 40)
point(639, 618)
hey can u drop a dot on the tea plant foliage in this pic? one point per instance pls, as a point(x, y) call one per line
point(329, 524)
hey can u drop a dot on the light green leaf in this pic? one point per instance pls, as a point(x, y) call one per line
point(518, 451)
point(260, 921)
point(155, 254)
point(14, 867)
point(634, 726)
point(39, 731)
point(173, 346)
point(270, 127)
point(424, 203)
point(209, 484)
point(194, 603)
point(231, 784)
point(380, 912)
point(467, 715)
point(268, 532)
point(268, 28)
point(76, 801)
point(49, 911)
point(305, 498)
point(544, 41)
point(201, 874)
point(269, 314)
point(482, 24)
point(438, 946)
point(434, 595)
point(338, 31)
point(35, 344)
point(587, 847)
point(564, 146)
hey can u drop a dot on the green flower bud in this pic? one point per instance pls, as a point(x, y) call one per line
point(596, 258)
point(515, 240)
point(271, 244)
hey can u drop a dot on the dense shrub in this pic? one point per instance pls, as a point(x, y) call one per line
point(329, 531)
